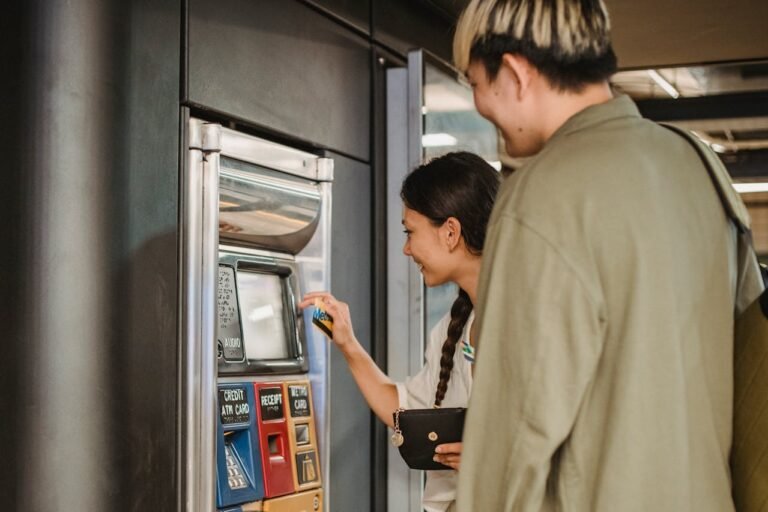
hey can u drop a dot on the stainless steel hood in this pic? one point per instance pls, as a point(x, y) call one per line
point(269, 195)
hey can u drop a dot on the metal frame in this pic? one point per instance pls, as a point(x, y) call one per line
point(275, 156)
point(405, 318)
point(200, 235)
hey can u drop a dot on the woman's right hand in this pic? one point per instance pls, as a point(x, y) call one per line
point(343, 334)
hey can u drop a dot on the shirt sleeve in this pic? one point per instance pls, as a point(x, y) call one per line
point(540, 337)
point(418, 391)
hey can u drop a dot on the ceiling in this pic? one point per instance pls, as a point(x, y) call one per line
point(702, 99)
point(715, 59)
point(663, 33)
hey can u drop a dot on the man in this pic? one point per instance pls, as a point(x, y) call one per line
point(604, 373)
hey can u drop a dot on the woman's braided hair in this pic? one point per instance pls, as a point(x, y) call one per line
point(460, 185)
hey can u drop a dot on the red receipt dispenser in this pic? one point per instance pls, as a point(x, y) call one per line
point(273, 434)
point(307, 501)
point(302, 436)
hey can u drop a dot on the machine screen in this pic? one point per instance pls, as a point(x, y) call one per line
point(263, 315)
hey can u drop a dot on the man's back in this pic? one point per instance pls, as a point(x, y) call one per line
point(607, 301)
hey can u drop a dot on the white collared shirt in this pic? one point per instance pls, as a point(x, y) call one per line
point(418, 392)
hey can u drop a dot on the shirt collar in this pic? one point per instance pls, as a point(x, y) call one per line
point(618, 107)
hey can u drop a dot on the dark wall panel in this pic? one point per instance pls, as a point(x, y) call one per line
point(356, 12)
point(407, 24)
point(350, 486)
point(282, 65)
point(94, 356)
point(145, 294)
point(14, 23)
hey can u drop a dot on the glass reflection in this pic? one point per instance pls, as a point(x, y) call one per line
point(451, 123)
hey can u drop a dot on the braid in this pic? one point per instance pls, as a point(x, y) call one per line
point(460, 311)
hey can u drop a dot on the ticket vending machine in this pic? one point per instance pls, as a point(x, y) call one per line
point(271, 367)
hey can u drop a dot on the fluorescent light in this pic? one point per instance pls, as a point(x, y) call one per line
point(434, 140)
point(718, 148)
point(663, 83)
point(744, 188)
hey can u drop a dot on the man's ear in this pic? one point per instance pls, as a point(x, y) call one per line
point(521, 71)
point(452, 232)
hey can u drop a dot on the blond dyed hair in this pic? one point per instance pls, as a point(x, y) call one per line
point(564, 30)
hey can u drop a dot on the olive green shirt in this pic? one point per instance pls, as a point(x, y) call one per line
point(604, 379)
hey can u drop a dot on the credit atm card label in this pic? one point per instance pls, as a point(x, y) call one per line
point(233, 403)
point(271, 402)
point(298, 396)
point(229, 336)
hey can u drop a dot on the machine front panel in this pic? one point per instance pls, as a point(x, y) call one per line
point(274, 239)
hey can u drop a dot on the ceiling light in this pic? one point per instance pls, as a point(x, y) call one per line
point(663, 83)
point(745, 188)
point(718, 148)
point(434, 140)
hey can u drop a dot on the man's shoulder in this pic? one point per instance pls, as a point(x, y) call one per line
point(595, 162)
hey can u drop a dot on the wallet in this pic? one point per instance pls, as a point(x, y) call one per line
point(419, 431)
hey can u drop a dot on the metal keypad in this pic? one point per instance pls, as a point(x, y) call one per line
point(235, 476)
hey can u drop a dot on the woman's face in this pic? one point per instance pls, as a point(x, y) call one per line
point(425, 243)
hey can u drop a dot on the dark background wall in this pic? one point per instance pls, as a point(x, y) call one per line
point(89, 199)
point(13, 52)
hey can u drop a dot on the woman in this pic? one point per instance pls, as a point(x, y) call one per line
point(447, 203)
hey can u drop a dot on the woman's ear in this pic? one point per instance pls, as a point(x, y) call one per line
point(452, 232)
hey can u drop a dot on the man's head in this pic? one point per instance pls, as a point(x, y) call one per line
point(533, 45)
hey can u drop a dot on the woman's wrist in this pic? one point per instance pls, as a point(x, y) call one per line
point(352, 350)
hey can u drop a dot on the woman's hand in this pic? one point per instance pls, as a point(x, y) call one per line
point(448, 454)
point(343, 334)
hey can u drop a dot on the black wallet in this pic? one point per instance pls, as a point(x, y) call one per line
point(419, 431)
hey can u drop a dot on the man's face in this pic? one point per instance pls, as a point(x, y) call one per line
point(498, 101)
point(485, 92)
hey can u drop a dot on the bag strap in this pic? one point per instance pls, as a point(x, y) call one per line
point(732, 203)
point(749, 281)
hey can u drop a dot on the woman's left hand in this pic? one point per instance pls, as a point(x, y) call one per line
point(448, 454)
